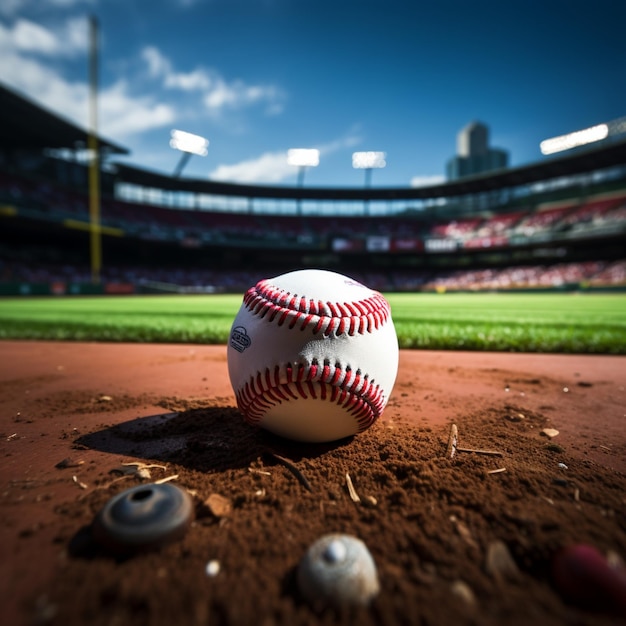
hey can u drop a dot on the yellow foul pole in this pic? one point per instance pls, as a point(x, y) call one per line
point(94, 153)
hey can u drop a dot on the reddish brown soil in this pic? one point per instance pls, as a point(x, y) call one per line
point(71, 414)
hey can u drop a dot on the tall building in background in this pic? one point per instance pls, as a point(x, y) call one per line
point(474, 156)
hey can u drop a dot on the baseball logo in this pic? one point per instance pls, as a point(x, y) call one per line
point(312, 355)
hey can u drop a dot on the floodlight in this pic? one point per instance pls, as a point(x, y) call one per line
point(303, 157)
point(368, 160)
point(188, 142)
point(575, 139)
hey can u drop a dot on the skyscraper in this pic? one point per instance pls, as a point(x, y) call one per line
point(474, 156)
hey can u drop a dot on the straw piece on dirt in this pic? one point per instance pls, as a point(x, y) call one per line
point(485, 452)
point(81, 485)
point(253, 470)
point(167, 479)
point(452, 441)
point(464, 531)
point(146, 465)
point(497, 471)
point(354, 496)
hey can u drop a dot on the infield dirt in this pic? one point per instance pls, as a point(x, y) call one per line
point(464, 540)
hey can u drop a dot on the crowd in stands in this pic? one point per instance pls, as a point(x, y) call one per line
point(150, 221)
point(586, 274)
point(604, 213)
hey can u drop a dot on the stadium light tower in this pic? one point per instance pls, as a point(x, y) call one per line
point(188, 144)
point(575, 139)
point(303, 158)
point(368, 161)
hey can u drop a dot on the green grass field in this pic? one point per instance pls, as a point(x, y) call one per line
point(567, 323)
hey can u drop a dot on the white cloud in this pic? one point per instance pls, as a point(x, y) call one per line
point(157, 64)
point(160, 67)
point(121, 113)
point(218, 93)
point(270, 167)
point(427, 181)
point(26, 36)
point(124, 115)
point(197, 80)
point(351, 140)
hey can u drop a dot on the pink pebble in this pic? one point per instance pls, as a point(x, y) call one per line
point(584, 577)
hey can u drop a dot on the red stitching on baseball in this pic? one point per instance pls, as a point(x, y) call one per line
point(282, 307)
point(351, 390)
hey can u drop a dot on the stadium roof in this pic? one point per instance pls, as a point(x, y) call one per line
point(582, 161)
point(28, 125)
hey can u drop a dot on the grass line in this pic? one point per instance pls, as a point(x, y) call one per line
point(565, 323)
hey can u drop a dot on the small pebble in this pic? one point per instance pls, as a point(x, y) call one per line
point(550, 432)
point(462, 590)
point(499, 562)
point(218, 505)
point(213, 568)
point(338, 571)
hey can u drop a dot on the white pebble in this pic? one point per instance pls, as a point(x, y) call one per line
point(212, 568)
point(338, 571)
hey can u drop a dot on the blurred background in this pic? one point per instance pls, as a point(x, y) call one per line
point(196, 146)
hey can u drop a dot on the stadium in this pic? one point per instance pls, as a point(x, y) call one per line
point(491, 491)
point(559, 224)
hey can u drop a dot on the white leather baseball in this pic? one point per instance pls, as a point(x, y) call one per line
point(312, 355)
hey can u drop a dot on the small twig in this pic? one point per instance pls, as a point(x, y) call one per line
point(452, 441)
point(167, 479)
point(253, 470)
point(140, 465)
point(354, 496)
point(81, 485)
point(294, 470)
point(487, 452)
point(497, 471)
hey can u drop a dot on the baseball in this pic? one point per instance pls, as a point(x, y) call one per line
point(312, 355)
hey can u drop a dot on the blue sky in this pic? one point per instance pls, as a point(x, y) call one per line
point(257, 77)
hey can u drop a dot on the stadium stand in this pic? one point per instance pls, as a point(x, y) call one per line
point(543, 226)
